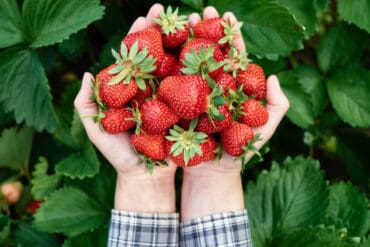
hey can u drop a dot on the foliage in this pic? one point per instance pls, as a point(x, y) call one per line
point(319, 50)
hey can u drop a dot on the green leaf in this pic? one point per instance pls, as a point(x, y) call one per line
point(269, 30)
point(70, 211)
point(342, 44)
point(195, 4)
point(10, 24)
point(74, 47)
point(79, 165)
point(4, 227)
point(96, 238)
point(356, 12)
point(24, 89)
point(26, 235)
point(42, 183)
point(349, 92)
point(287, 197)
point(15, 148)
point(347, 208)
point(50, 21)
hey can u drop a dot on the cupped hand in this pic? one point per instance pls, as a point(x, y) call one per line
point(116, 147)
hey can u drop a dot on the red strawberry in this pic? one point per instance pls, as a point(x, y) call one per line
point(117, 120)
point(152, 146)
point(167, 63)
point(33, 206)
point(176, 69)
point(113, 96)
point(226, 82)
point(187, 95)
point(141, 96)
point(237, 136)
point(253, 113)
point(253, 80)
point(211, 29)
point(208, 148)
point(157, 117)
point(208, 61)
point(209, 126)
point(174, 28)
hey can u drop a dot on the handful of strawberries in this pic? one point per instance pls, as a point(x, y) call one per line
point(183, 93)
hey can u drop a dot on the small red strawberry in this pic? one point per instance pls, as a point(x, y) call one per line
point(253, 113)
point(253, 80)
point(33, 206)
point(209, 125)
point(236, 137)
point(174, 28)
point(117, 120)
point(167, 63)
point(152, 146)
point(226, 82)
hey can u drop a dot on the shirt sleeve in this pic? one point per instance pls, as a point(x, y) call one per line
point(224, 229)
point(130, 229)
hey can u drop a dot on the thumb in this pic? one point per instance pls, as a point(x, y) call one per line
point(83, 103)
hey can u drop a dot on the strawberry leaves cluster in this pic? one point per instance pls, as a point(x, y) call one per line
point(183, 93)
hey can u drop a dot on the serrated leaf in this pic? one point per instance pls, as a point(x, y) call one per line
point(287, 197)
point(349, 92)
point(24, 89)
point(269, 30)
point(26, 235)
point(4, 227)
point(50, 21)
point(356, 12)
point(15, 148)
point(96, 238)
point(42, 183)
point(70, 211)
point(347, 208)
point(10, 24)
point(342, 44)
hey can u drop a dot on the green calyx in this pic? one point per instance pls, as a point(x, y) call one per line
point(133, 64)
point(201, 62)
point(235, 101)
point(170, 21)
point(230, 31)
point(150, 163)
point(186, 141)
point(249, 147)
point(236, 61)
point(215, 100)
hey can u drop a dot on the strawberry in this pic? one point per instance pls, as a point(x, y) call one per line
point(236, 137)
point(142, 95)
point(113, 96)
point(202, 56)
point(176, 69)
point(209, 125)
point(11, 191)
point(187, 95)
point(253, 113)
point(174, 28)
point(33, 206)
point(226, 82)
point(117, 120)
point(152, 146)
point(253, 80)
point(157, 117)
point(167, 63)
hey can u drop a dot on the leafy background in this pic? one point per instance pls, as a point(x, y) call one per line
point(312, 188)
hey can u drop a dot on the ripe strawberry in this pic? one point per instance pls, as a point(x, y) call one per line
point(174, 28)
point(202, 56)
point(226, 83)
point(236, 138)
point(117, 120)
point(210, 29)
point(167, 63)
point(253, 80)
point(113, 96)
point(176, 69)
point(142, 95)
point(209, 126)
point(152, 146)
point(253, 113)
point(157, 117)
point(33, 206)
point(187, 95)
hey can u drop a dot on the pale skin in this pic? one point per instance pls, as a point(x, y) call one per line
point(209, 188)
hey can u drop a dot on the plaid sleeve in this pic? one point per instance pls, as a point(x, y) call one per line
point(225, 229)
point(130, 229)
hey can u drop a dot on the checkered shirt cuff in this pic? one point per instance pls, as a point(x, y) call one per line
point(130, 229)
point(221, 230)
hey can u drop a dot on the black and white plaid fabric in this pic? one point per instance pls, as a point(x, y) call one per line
point(219, 230)
point(129, 229)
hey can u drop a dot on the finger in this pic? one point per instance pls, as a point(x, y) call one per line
point(153, 13)
point(138, 25)
point(238, 38)
point(194, 19)
point(209, 13)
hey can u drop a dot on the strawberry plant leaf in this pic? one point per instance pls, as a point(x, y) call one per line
point(355, 12)
point(289, 196)
point(347, 208)
point(15, 148)
point(24, 89)
point(349, 92)
point(269, 29)
point(70, 211)
point(195, 4)
point(10, 24)
point(4, 227)
point(42, 183)
point(342, 44)
point(96, 238)
point(51, 21)
point(26, 235)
